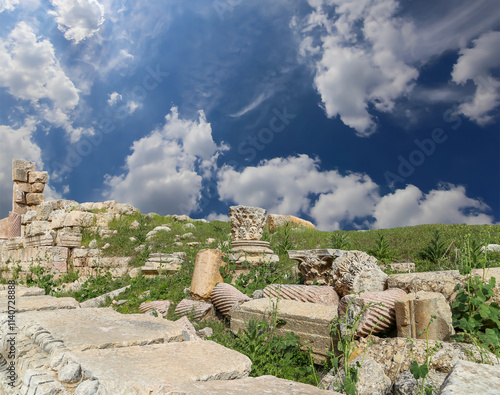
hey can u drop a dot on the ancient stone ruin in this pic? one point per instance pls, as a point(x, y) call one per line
point(65, 347)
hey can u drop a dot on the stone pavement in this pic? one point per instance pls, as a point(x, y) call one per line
point(61, 348)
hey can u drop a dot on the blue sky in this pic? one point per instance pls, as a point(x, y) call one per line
point(354, 115)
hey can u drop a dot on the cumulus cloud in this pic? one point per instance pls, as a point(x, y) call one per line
point(165, 171)
point(78, 19)
point(292, 185)
point(213, 216)
point(298, 186)
point(114, 98)
point(449, 204)
point(8, 5)
point(31, 71)
point(361, 58)
point(476, 64)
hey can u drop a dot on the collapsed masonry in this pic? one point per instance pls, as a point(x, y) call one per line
point(49, 233)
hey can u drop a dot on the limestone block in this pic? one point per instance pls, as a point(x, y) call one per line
point(103, 220)
point(5, 228)
point(37, 227)
point(315, 265)
point(247, 223)
point(380, 317)
point(36, 303)
point(356, 271)
point(14, 225)
point(371, 378)
point(249, 385)
point(169, 262)
point(99, 300)
point(160, 306)
point(443, 282)
point(206, 273)
point(79, 219)
point(46, 238)
point(193, 308)
point(29, 217)
point(491, 248)
point(70, 240)
point(152, 369)
point(22, 186)
point(400, 267)
point(252, 252)
point(24, 291)
point(79, 253)
point(38, 177)
point(37, 187)
point(15, 243)
point(44, 210)
point(57, 218)
point(395, 356)
point(303, 293)
point(189, 332)
point(20, 170)
point(413, 314)
point(225, 297)
point(19, 208)
point(274, 221)
point(310, 321)
point(19, 196)
point(34, 199)
point(472, 378)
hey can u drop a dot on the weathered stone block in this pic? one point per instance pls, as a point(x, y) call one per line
point(472, 378)
point(37, 187)
point(44, 210)
point(79, 219)
point(303, 293)
point(34, 199)
point(22, 186)
point(38, 177)
point(443, 282)
point(206, 273)
point(37, 227)
point(169, 262)
point(274, 221)
point(70, 240)
point(21, 165)
point(99, 300)
point(310, 321)
point(19, 208)
point(57, 218)
point(413, 315)
point(19, 196)
point(46, 238)
point(36, 303)
point(4, 228)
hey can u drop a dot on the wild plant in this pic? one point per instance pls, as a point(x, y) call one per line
point(436, 249)
point(340, 240)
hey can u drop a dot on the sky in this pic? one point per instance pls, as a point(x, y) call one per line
point(357, 115)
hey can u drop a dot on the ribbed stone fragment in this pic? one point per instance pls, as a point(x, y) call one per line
point(161, 306)
point(193, 308)
point(225, 296)
point(380, 317)
point(303, 293)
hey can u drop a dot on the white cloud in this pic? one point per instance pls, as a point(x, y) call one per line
point(297, 186)
point(410, 206)
point(8, 5)
point(290, 186)
point(362, 60)
point(476, 64)
point(114, 98)
point(133, 105)
point(213, 216)
point(31, 71)
point(165, 171)
point(78, 19)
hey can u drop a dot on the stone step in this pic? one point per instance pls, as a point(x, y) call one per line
point(38, 303)
point(310, 321)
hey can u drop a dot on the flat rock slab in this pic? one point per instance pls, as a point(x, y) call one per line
point(443, 282)
point(82, 329)
point(472, 378)
point(249, 385)
point(23, 291)
point(38, 303)
point(149, 369)
point(310, 321)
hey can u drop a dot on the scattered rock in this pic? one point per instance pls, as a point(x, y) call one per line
point(472, 378)
point(93, 243)
point(135, 225)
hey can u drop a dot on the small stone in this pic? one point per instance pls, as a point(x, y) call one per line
point(258, 294)
point(135, 225)
point(132, 239)
point(88, 387)
point(189, 225)
point(205, 333)
point(93, 244)
point(70, 373)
